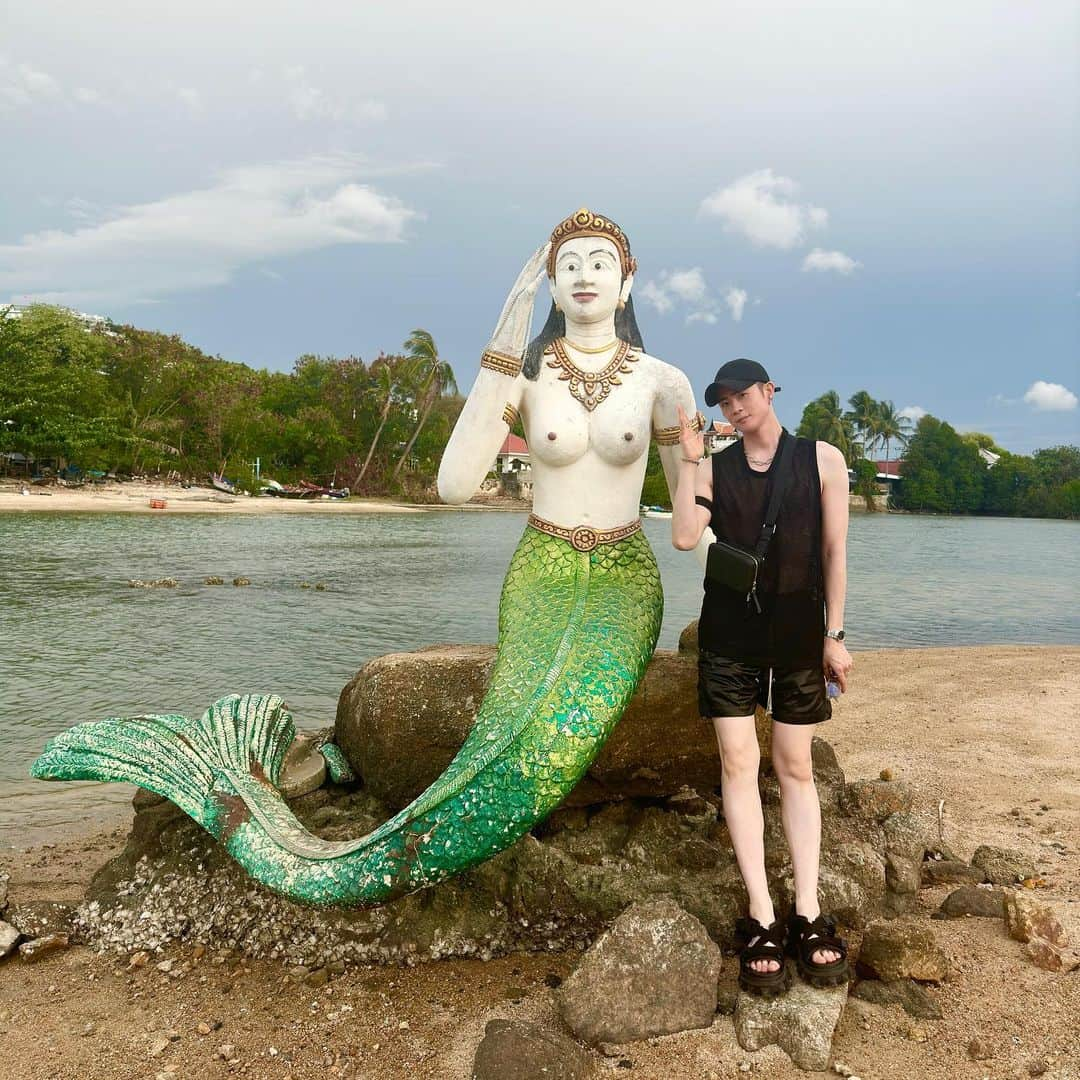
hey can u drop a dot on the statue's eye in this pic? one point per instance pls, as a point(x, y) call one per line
point(598, 266)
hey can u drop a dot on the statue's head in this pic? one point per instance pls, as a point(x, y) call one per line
point(590, 272)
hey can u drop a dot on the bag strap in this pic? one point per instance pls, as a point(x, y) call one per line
point(780, 483)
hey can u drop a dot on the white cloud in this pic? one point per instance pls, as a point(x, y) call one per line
point(657, 297)
point(86, 95)
point(198, 239)
point(913, 412)
point(736, 301)
point(760, 206)
point(1050, 397)
point(688, 285)
point(22, 85)
point(819, 259)
point(689, 290)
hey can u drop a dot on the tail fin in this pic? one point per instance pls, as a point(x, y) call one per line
point(178, 758)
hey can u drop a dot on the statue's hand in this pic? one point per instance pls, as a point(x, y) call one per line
point(691, 441)
point(511, 334)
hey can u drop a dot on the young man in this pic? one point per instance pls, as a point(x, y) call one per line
point(782, 654)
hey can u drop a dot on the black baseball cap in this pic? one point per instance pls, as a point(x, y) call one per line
point(736, 375)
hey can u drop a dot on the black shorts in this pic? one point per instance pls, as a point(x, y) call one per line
point(728, 687)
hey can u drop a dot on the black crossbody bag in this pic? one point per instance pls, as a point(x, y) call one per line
point(735, 567)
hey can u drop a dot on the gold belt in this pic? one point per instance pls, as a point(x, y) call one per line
point(585, 537)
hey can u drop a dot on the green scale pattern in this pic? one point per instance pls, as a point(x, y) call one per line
point(576, 631)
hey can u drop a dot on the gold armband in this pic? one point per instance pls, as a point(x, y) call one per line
point(510, 415)
point(500, 362)
point(669, 436)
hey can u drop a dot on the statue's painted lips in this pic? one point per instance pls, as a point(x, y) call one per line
point(584, 297)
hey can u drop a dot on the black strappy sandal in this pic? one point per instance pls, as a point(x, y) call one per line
point(769, 946)
point(806, 937)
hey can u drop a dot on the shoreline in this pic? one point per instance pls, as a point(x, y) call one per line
point(134, 498)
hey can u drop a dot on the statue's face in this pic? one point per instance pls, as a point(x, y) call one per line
point(588, 279)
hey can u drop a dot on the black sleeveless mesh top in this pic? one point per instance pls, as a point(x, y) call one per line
point(790, 630)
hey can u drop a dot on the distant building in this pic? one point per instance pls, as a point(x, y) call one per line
point(722, 435)
point(513, 455)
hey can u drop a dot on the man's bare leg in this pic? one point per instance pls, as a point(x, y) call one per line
point(800, 811)
point(740, 759)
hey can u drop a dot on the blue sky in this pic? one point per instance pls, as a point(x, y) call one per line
point(876, 197)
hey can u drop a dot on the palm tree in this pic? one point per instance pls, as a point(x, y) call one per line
point(436, 378)
point(824, 419)
point(891, 425)
point(864, 415)
point(389, 374)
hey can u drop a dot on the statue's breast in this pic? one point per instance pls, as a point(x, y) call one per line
point(560, 429)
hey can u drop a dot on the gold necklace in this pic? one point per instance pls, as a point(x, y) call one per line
point(594, 352)
point(590, 388)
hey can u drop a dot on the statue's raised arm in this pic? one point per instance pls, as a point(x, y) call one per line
point(492, 404)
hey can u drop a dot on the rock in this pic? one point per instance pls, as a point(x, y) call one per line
point(4, 879)
point(1002, 866)
point(304, 768)
point(912, 997)
point(875, 800)
point(688, 641)
point(951, 872)
point(1027, 917)
point(986, 903)
point(653, 973)
point(318, 977)
point(979, 1050)
point(9, 938)
point(801, 1023)
point(33, 951)
point(902, 949)
point(908, 834)
point(158, 1046)
point(512, 1050)
point(241, 581)
point(1048, 956)
point(226, 1051)
point(902, 874)
point(727, 997)
point(213, 580)
point(40, 918)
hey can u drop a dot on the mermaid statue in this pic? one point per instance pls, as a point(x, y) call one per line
point(579, 614)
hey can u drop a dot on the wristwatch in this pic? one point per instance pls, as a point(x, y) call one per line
point(836, 635)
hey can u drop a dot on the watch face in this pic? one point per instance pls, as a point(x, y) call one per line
point(836, 635)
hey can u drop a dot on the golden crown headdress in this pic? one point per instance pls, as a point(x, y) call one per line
point(586, 223)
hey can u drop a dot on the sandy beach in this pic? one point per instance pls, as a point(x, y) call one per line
point(991, 731)
point(135, 497)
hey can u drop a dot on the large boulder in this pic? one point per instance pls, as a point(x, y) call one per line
point(653, 973)
point(404, 716)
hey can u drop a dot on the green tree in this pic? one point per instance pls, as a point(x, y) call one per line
point(435, 377)
point(866, 482)
point(864, 417)
point(55, 398)
point(942, 473)
point(891, 425)
point(825, 419)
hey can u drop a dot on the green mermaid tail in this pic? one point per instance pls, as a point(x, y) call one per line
point(576, 631)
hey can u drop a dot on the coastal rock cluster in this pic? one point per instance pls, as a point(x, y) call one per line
point(646, 821)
